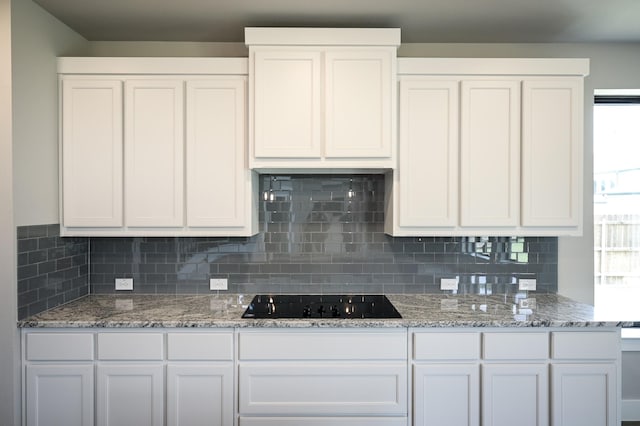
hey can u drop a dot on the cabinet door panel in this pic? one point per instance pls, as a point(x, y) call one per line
point(59, 395)
point(358, 103)
point(154, 153)
point(326, 421)
point(428, 169)
point(447, 394)
point(515, 394)
point(552, 152)
point(584, 394)
point(200, 395)
point(217, 179)
point(490, 153)
point(92, 153)
point(131, 394)
point(287, 104)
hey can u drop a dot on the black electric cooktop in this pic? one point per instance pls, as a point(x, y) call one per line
point(320, 306)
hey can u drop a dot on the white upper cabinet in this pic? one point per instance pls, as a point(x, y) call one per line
point(155, 147)
point(552, 135)
point(91, 155)
point(322, 98)
point(488, 147)
point(154, 150)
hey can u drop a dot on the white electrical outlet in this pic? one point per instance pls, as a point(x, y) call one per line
point(527, 284)
point(124, 283)
point(448, 284)
point(218, 284)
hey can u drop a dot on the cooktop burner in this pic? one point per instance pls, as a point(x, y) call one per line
point(320, 306)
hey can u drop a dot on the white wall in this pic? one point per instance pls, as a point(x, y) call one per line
point(9, 366)
point(37, 39)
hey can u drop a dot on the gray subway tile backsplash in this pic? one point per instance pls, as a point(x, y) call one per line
point(314, 238)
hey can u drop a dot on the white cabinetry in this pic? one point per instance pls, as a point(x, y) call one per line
point(155, 147)
point(322, 376)
point(322, 98)
point(515, 167)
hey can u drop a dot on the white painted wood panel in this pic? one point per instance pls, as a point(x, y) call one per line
point(286, 103)
point(446, 346)
point(200, 346)
point(321, 388)
point(585, 345)
point(515, 394)
point(446, 394)
point(490, 153)
point(332, 345)
point(217, 177)
point(91, 149)
point(584, 395)
point(511, 345)
point(130, 346)
point(552, 127)
point(358, 102)
point(427, 184)
point(154, 153)
point(59, 395)
point(59, 346)
point(130, 394)
point(200, 394)
point(326, 421)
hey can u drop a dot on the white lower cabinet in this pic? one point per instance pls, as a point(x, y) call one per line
point(130, 394)
point(320, 377)
point(59, 394)
point(199, 394)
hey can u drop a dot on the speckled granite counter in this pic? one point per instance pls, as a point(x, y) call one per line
point(540, 310)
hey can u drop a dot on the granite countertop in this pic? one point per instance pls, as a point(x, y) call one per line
point(225, 310)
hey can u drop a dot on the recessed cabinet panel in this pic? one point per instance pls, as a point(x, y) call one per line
point(154, 153)
point(91, 153)
point(428, 168)
point(216, 173)
point(358, 103)
point(287, 104)
point(552, 152)
point(490, 153)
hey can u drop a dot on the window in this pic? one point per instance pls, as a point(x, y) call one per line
point(616, 187)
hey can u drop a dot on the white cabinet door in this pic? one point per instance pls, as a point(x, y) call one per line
point(552, 127)
point(584, 394)
point(358, 103)
point(59, 395)
point(91, 153)
point(515, 394)
point(287, 104)
point(490, 153)
point(427, 181)
point(154, 153)
point(200, 394)
point(446, 394)
point(130, 394)
point(218, 182)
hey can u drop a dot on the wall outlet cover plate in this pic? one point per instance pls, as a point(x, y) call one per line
point(448, 284)
point(527, 284)
point(218, 284)
point(124, 283)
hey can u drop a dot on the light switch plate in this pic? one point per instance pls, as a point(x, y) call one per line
point(527, 284)
point(448, 284)
point(218, 284)
point(124, 283)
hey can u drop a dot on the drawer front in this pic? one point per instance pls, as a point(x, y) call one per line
point(294, 345)
point(59, 347)
point(585, 345)
point(130, 346)
point(446, 346)
point(309, 389)
point(521, 345)
point(200, 346)
point(326, 421)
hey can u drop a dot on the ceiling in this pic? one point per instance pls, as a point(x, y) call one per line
point(428, 21)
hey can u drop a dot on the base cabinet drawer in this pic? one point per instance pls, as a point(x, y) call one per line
point(331, 389)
